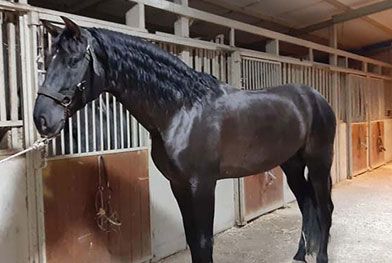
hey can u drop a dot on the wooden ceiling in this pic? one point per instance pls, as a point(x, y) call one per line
point(298, 18)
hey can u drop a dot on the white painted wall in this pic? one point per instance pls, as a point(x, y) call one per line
point(13, 212)
point(167, 230)
point(388, 139)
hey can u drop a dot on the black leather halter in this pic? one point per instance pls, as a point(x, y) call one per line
point(65, 97)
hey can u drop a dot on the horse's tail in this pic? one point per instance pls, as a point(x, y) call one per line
point(311, 226)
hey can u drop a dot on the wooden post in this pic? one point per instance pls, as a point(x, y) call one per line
point(181, 28)
point(333, 61)
point(333, 42)
point(365, 67)
point(232, 37)
point(272, 47)
point(239, 194)
point(28, 42)
point(311, 55)
point(135, 17)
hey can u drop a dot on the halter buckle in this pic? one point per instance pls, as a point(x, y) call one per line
point(66, 102)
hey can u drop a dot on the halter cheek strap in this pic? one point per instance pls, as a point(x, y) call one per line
point(65, 97)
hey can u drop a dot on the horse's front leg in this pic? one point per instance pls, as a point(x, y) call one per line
point(196, 200)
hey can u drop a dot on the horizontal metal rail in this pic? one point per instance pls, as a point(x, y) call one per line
point(11, 124)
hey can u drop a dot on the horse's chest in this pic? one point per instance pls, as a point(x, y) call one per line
point(190, 143)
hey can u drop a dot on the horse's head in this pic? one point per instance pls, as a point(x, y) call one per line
point(70, 77)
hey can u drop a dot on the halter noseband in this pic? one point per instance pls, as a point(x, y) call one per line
point(65, 97)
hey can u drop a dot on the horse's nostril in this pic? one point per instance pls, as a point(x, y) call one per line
point(43, 123)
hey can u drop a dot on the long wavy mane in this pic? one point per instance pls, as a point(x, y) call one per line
point(151, 70)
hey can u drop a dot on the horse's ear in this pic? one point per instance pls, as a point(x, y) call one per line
point(71, 27)
point(52, 29)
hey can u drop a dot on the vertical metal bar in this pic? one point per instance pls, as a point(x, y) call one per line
point(258, 84)
point(141, 135)
point(3, 109)
point(122, 125)
point(94, 127)
point(62, 142)
point(251, 74)
point(246, 74)
point(108, 121)
point(135, 136)
point(101, 123)
point(129, 145)
point(78, 129)
point(86, 129)
point(70, 140)
point(224, 67)
point(115, 122)
point(197, 60)
point(215, 65)
point(207, 60)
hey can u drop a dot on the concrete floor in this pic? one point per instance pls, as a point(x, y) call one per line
point(361, 231)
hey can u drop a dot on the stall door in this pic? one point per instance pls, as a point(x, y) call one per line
point(359, 135)
point(263, 193)
point(358, 116)
point(377, 115)
point(377, 144)
point(97, 208)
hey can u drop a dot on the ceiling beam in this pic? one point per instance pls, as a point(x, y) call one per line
point(83, 5)
point(265, 21)
point(343, 7)
point(252, 12)
point(349, 15)
point(373, 48)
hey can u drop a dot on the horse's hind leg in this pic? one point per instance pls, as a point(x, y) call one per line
point(319, 164)
point(294, 169)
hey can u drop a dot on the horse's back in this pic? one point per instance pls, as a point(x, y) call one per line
point(262, 129)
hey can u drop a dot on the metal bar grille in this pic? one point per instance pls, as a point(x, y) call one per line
point(259, 74)
point(10, 82)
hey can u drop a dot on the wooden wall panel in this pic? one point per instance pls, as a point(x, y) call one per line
point(359, 136)
point(72, 234)
point(263, 193)
point(377, 143)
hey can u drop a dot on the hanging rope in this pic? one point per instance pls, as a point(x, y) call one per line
point(37, 146)
point(380, 143)
point(107, 219)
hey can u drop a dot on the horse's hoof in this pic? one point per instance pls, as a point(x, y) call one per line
point(298, 261)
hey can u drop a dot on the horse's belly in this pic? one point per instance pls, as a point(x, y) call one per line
point(243, 158)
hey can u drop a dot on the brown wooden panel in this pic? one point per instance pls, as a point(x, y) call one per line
point(377, 144)
point(263, 193)
point(70, 216)
point(359, 132)
point(131, 200)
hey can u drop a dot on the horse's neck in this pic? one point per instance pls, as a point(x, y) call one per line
point(151, 83)
point(144, 110)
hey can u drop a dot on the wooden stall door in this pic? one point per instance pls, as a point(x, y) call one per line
point(263, 193)
point(70, 191)
point(360, 147)
point(377, 144)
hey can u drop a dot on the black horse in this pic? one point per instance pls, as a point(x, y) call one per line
point(201, 129)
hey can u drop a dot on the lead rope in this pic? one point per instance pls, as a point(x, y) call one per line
point(38, 145)
point(106, 217)
point(380, 143)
